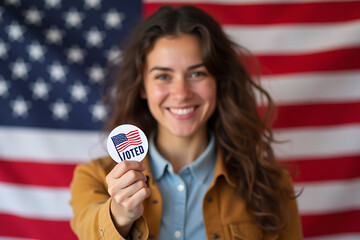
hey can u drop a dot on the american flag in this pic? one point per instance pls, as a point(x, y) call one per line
point(53, 58)
point(122, 141)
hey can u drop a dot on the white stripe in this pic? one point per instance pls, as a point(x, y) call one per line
point(35, 144)
point(341, 86)
point(35, 202)
point(296, 38)
point(337, 237)
point(317, 142)
point(328, 197)
point(239, 2)
point(56, 146)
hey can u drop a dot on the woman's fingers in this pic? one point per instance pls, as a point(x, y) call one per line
point(124, 166)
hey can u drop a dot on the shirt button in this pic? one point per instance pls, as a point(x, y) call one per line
point(215, 236)
point(209, 199)
point(177, 234)
point(180, 187)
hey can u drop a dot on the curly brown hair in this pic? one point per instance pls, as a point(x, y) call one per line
point(242, 135)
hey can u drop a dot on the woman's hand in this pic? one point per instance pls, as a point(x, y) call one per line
point(127, 188)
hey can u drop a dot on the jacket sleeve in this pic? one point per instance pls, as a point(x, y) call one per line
point(90, 202)
point(294, 229)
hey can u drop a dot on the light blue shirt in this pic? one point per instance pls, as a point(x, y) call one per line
point(182, 194)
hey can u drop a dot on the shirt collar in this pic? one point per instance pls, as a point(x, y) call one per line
point(201, 168)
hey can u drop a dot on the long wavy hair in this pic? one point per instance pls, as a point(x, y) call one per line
point(242, 135)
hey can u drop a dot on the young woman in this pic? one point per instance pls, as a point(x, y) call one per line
point(210, 172)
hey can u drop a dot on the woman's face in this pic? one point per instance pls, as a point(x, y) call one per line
point(180, 92)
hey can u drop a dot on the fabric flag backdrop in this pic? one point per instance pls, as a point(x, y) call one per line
point(53, 56)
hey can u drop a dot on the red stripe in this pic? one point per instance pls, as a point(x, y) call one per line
point(327, 224)
point(13, 226)
point(274, 13)
point(33, 173)
point(324, 169)
point(317, 114)
point(340, 59)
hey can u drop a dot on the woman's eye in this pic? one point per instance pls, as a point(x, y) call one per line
point(162, 77)
point(197, 75)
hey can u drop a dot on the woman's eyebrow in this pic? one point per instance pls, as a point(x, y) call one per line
point(161, 69)
point(196, 66)
point(171, 70)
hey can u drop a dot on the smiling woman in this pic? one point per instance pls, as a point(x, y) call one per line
point(180, 92)
point(210, 171)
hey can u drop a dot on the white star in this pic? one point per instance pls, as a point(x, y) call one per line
point(98, 111)
point(114, 55)
point(13, 2)
point(94, 37)
point(4, 48)
point(4, 88)
point(19, 69)
point(75, 54)
point(20, 107)
point(60, 110)
point(52, 3)
point(33, 16)
point(95, 73)
point(57, 72)
point(54, 35)
point(15, 31)
point(73, 18)
point(36, 51)
point(92, 4)
point(113, 19)
point(79, 92)
point(40, 89)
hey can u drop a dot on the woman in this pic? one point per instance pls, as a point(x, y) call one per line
point(210, 172)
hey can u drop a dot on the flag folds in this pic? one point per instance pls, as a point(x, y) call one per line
point(53, 58)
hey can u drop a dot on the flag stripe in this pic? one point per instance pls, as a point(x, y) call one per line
point(345, 236)
point(245, 2)
point(51, 144)
point(317, 142)
point(240, 14)
point(305, 142)
point(34, 228)
point(35, 202)
point(328, 196)
point(336, 168)
point(331, 168)
point(281, 39)
point(317, 115)
point(328, 61)
point(37, 174)
point(332, 223)
point(342, 86)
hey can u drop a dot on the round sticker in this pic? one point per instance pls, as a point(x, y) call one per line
point(127, 142)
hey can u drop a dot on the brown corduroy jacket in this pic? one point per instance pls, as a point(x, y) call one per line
point(224, 214)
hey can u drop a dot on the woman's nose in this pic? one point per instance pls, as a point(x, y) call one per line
point(181, 89)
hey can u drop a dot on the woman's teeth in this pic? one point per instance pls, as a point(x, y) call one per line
point(182, 111)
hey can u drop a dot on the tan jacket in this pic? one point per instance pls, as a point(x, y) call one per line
point(225, 215)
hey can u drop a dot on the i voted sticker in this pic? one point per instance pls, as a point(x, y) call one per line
point(127, 142)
